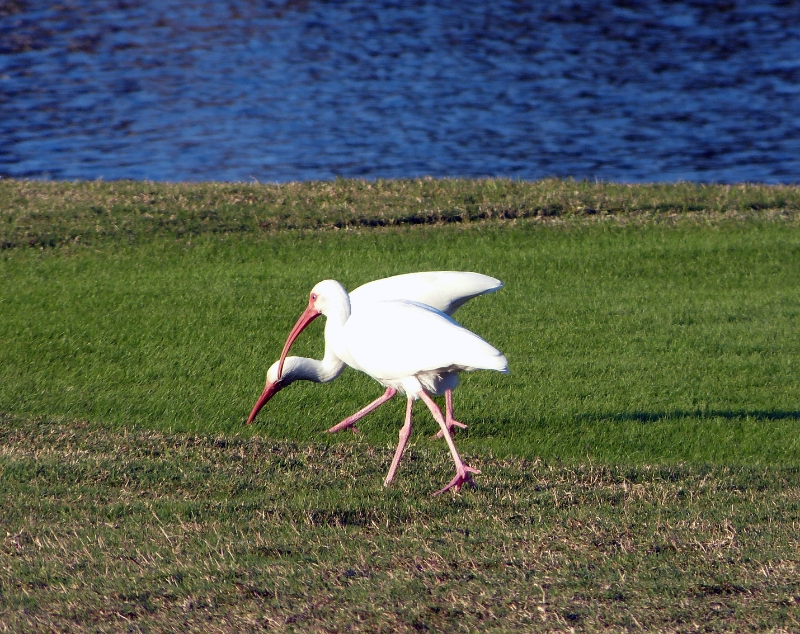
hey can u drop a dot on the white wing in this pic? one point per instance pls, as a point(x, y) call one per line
point(444, 290)
point(398, 339)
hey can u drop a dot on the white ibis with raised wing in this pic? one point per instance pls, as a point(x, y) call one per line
point(406, 346)
point(444, 290)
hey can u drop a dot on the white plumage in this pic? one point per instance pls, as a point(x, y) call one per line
point(394, 340)
point(443, 290)
point(406, 346)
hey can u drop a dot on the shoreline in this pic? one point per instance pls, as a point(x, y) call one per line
point(53, 213)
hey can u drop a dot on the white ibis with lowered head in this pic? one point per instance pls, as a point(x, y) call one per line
point(444, 290)
point(406, 346)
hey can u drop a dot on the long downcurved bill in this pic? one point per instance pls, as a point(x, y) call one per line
point(271, 390)
point(309, 315)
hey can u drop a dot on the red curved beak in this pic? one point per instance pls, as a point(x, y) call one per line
point(271, 390)
point(309, 315)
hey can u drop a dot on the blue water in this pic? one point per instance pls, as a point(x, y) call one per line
point(175, 90)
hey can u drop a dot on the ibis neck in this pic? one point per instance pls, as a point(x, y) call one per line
point(337, 312)
point(331, 365)
point(305, 369)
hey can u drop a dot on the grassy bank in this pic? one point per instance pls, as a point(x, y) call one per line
point(35, 213)
point(639, 465)
point(111, 529)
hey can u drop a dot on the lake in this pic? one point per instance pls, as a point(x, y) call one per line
point(242, 90)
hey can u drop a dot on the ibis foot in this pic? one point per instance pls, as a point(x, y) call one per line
point(449, 420)
point(451, 425)
point(460, 479)
point(344, 425)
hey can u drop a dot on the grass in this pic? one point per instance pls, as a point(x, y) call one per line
point(35, 213)
point(111, 529)
point(626, 344)
point(640, 464)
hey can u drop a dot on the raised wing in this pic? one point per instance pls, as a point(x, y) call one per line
point(444, 290)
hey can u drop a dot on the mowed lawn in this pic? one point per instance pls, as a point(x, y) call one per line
point(640, 465)
point(634, 345)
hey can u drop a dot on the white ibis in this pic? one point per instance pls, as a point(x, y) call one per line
point(444, 290)
point(406, 346)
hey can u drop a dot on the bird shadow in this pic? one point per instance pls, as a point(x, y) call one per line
point(706, 414)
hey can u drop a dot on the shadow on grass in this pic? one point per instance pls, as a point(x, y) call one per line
point(652, 417)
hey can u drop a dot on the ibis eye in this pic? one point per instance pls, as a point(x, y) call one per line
point(313, 297)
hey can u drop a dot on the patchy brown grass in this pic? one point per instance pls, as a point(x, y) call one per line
point(105, 530)
point(41, 213)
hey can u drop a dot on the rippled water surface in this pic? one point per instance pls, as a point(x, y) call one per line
point(240, 90)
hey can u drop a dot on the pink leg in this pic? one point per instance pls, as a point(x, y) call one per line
point(350, 420)
point(449, 420)
point(462, 470)
point(405, 432)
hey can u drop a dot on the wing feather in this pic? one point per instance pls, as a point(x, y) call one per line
point(397, 339)
point(444, 290)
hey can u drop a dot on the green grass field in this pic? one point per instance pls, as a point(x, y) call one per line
point(640, 464)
